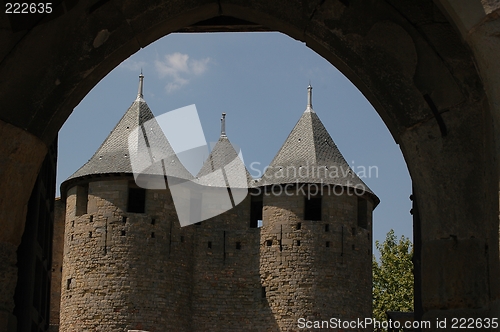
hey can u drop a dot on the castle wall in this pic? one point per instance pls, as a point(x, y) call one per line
point(226, 281)
point(123, 270)
point(344, 283)
point(142, 271)
point(315, 270)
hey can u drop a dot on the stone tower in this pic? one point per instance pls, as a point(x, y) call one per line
point(129, 265)
point(123, 244)
point(226, 284)
point(316, 242)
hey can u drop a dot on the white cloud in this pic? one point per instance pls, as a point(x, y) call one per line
point(199, 66)
point(132, 65)
point(177, 84)
point(180, 69)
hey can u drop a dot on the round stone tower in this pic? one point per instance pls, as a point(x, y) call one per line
point(315, 256)
point(126, 260)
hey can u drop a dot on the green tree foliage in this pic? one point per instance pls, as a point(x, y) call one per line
point(393, 276)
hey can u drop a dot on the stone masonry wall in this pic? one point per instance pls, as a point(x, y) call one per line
point(141, 271)
point(315, 270)
point(123, 271)
point(226, 282)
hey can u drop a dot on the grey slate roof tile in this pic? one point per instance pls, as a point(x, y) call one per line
point(309, 155)
point(224, 157)
point(113, 156)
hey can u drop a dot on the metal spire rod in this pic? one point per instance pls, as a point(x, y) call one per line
point(141, 83)
point(309, 96)
point(223, 125)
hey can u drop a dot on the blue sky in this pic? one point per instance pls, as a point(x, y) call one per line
point(260, 80)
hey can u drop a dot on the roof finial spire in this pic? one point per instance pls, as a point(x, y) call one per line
point(223, 125)
point(141, 83)
point(309, 97)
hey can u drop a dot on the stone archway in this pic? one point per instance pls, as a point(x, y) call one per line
point(406, 58)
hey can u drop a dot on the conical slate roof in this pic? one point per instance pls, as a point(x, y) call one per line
point(113, 156)
point(224, 166)
point(309, 155)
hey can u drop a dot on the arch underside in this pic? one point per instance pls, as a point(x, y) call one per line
point(407, 59)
